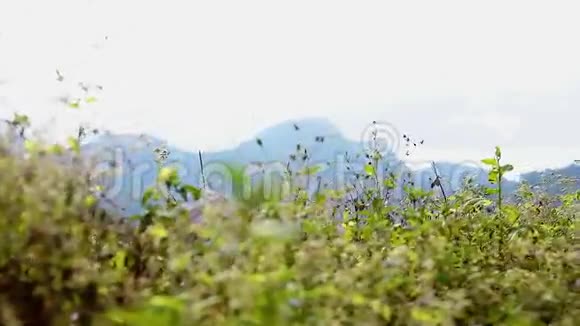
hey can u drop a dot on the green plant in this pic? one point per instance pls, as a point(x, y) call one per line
point(63, 260)
point(496, 175)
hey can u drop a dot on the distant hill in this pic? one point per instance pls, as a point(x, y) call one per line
point(556, 180)
point(323, 142)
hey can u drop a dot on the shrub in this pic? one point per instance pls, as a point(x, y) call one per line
point(64, 261)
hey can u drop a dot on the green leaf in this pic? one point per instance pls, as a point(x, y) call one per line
point(118, 261)
point(512, 214)
point(90, 201)
point(168, 175)
point(31, 146)
point(424, 315)
point(21, 120)
point(489, 161)
point(90, 99)
point(497, 152)
point(346, 216)
point(311, 170)
point(136, 217)
point(370, 170)
point(493, 176)
point(74, 145)
point(158, 231)
point(75, 104)
point(507, 168)
point(150, 193)
point(486, 203)
point(389, 183)
point(194, 191)
point(491, 191)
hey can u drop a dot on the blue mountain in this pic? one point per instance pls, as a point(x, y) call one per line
point(285, 143)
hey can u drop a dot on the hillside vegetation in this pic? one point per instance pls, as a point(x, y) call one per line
point(470, 258)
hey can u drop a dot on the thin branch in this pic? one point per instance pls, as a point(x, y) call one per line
point(202, 172)
point(437, 181)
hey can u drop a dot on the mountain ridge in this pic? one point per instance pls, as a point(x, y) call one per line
point(322, 140)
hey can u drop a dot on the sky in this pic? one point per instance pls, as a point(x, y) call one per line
point(462, 75)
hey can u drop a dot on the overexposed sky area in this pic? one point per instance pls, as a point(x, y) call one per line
point(463, 75)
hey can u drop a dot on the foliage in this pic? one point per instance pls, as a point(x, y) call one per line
point(422, 261)
point(496, 174)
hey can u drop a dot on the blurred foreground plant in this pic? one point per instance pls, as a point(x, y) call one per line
point(280, 262)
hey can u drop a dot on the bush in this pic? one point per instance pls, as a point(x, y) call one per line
point(64, 261)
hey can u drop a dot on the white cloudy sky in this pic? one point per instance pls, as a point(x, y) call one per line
point(463, 75)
